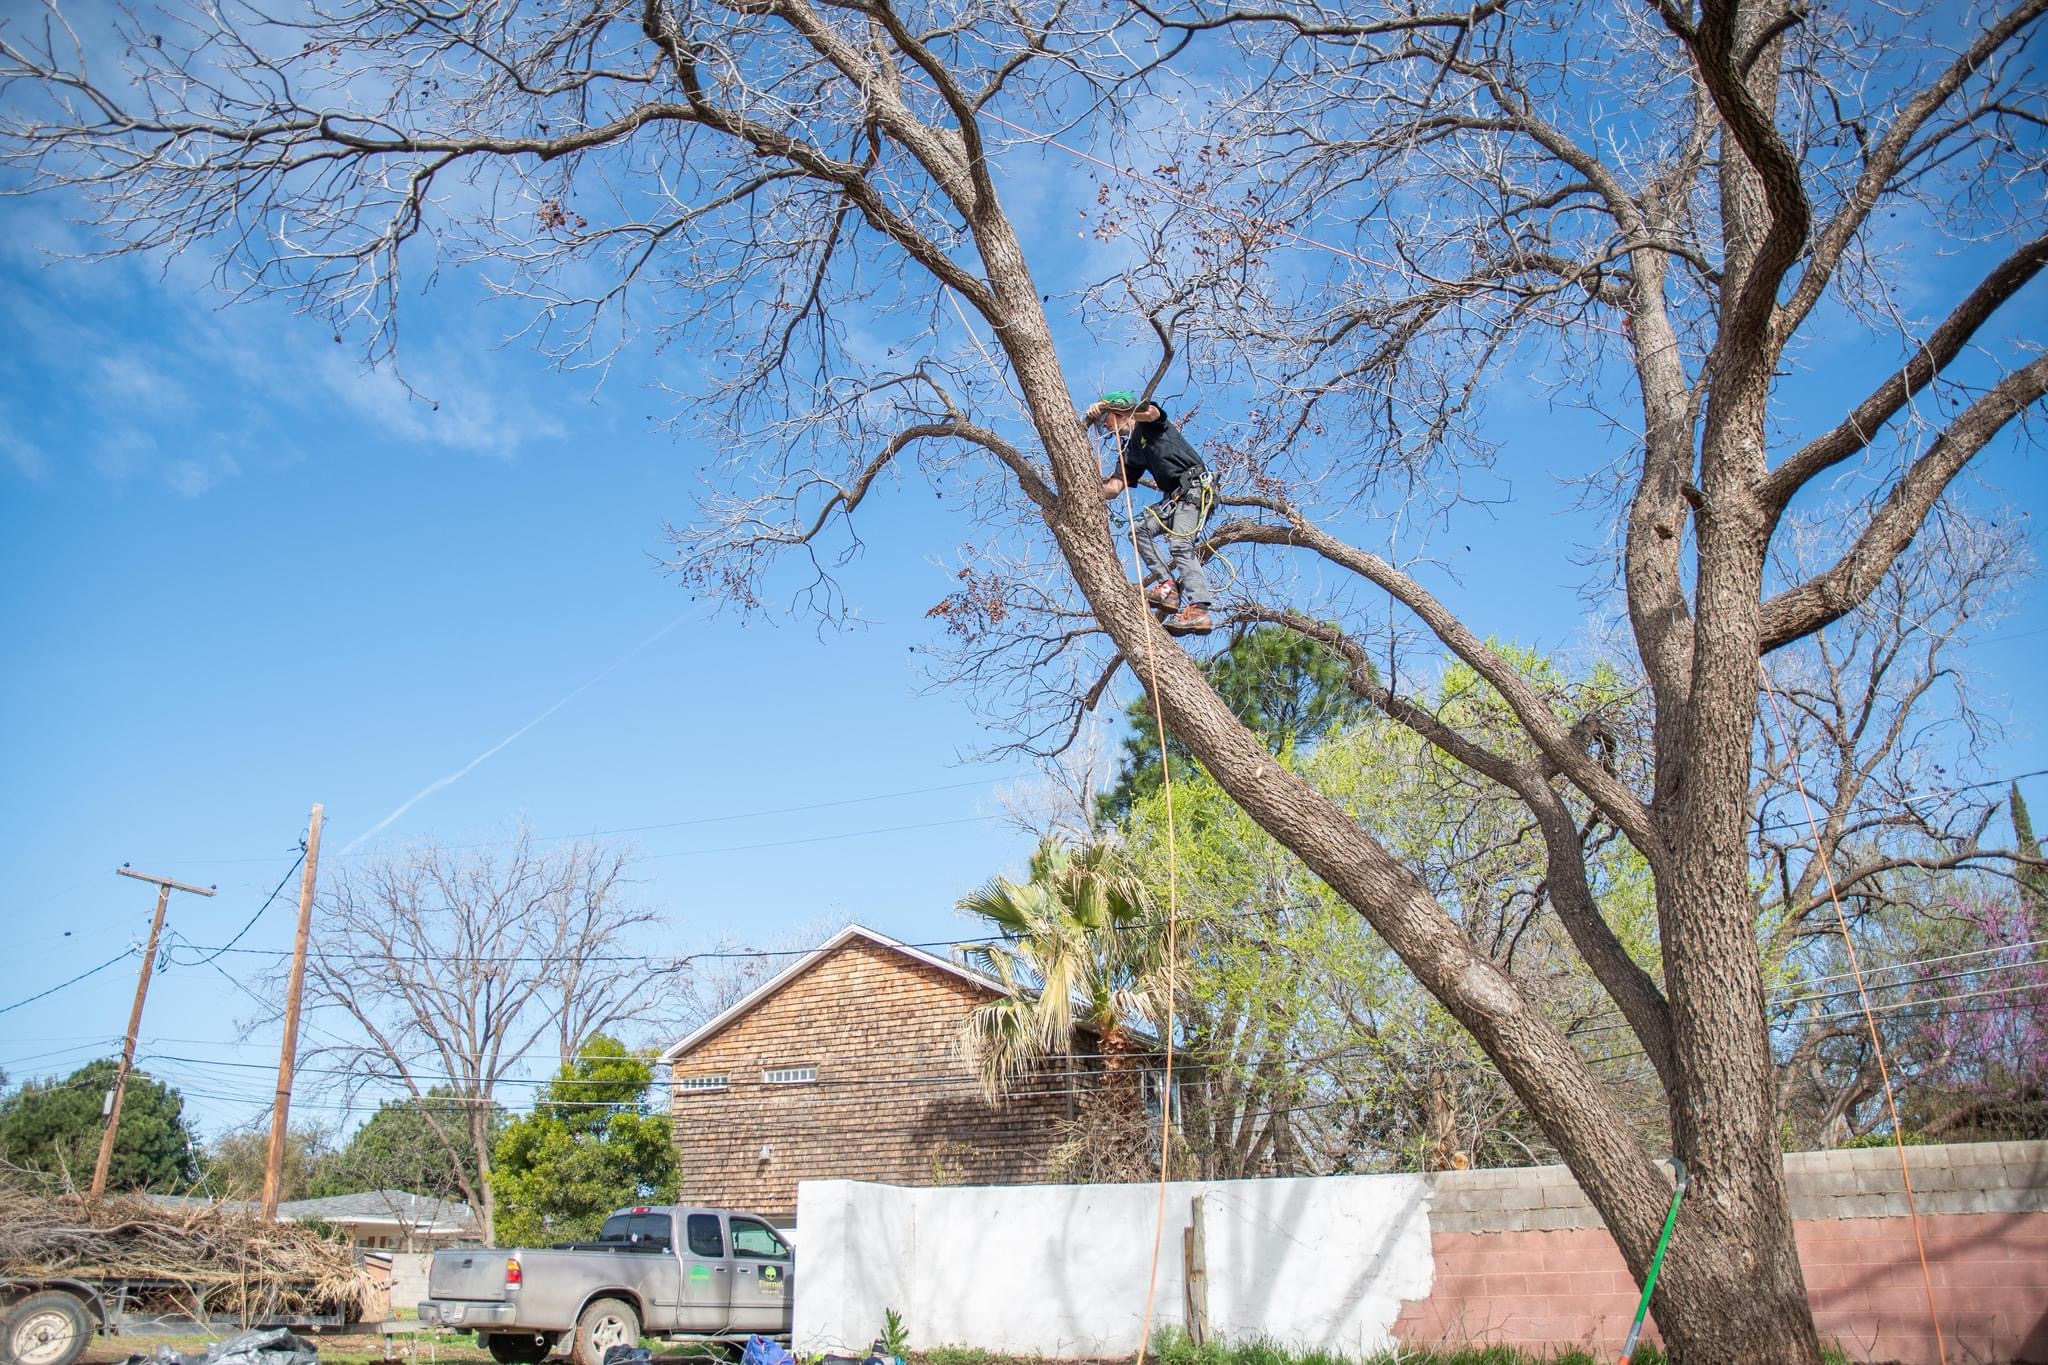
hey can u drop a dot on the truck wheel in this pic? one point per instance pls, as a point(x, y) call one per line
point(518, 1348)
point(50, 1328)
point(605, 1324)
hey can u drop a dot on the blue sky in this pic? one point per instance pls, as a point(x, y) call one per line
point(243, 575)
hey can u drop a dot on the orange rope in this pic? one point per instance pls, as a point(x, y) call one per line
point(1172, 908)
point(1891, 1103)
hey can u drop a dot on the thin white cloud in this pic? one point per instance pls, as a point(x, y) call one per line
point(189, 478)
point(27, 461)
point(456, 414)
point(122, 453)
point(466, 769)
point(134, 378)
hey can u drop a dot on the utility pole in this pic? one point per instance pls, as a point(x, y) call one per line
point(273, 1169)
point(164, 887)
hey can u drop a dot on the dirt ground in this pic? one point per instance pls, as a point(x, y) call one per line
point(411, 1348)
point(420, 1347)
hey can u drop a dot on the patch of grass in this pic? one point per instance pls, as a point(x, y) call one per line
point(958, 1355)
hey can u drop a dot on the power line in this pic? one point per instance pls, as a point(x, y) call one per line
point(274, 891)
point(671, 824)
point(124, 954)
point(1906, 804)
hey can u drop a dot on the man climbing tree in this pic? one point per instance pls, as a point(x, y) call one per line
point(1149, 446)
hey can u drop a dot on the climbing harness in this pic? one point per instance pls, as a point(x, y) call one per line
point(1161, 513)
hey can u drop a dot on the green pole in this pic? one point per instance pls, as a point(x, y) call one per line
point(1628, 1345)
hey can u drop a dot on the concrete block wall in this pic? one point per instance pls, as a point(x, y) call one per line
point(1522, 1258)
point(1985, 1177)
point(409, 1277)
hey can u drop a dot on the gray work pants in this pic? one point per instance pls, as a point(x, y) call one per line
point(1180, 520)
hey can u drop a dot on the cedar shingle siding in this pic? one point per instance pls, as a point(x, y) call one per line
point(892, 1100)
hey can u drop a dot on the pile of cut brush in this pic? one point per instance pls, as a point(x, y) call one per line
point(194, 1260)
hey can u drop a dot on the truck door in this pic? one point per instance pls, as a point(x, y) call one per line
point(707, 1276)
point(657, 1274)
point(763, 1277)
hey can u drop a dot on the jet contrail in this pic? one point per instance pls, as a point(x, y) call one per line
point(466, 769)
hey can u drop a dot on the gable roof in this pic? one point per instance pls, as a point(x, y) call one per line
point(423, 1213)
point(803, 964)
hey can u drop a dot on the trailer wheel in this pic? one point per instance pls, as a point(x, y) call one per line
point(50, 1328)
point(605, 1324)
point(518, 1348)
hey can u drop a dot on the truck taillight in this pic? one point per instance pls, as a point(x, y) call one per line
point(511, 1272)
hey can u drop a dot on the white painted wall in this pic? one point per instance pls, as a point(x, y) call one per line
point(1061, 1270)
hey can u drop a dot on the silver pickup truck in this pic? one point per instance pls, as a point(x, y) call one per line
point(656, 1270)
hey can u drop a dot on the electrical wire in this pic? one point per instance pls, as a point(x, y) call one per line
point(274, 892)
point(124, 954)
point(666, 824)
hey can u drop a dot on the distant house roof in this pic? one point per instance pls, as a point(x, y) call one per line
point(399, 1208)
point(803, 964)
point(200, 1201)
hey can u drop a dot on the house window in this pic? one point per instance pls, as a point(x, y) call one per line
point(1150, 1084)
point(700, 1083)
point(790, 1075)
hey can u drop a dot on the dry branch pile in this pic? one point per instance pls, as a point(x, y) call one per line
point(208, 1261)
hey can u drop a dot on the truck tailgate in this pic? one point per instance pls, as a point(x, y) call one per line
point(472, 1273)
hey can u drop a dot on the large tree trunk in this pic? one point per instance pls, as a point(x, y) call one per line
point(486, 1204)
point(1732, 1292)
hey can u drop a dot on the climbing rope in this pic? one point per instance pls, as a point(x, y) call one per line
point(1891, 1103)
point(1172, 902)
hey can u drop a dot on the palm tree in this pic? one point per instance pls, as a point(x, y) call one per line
point(1078, 948)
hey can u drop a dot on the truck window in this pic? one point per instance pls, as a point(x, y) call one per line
point(705, 1237)
point(758, 1240)
point(616, 1228)
point(653, 1229)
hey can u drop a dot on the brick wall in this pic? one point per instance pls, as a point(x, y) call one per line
point(893, 1101)
point(1521, 1257)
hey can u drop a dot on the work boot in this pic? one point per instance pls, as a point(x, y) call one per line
point(1163, 593)
point(1191, 619)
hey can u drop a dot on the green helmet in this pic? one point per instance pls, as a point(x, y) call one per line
point(1122, 400)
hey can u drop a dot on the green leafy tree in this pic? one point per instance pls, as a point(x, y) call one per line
point(2033, 874)
point(1284, 687)
point(590, 1146)
point(54, 1127)
point(233, 1164)
point(398, 1148)
point(1309, 1048)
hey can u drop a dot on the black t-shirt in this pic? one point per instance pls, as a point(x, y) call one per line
point(1158, 448)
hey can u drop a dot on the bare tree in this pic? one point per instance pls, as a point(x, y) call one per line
point(1864, 760)
point(454, 967)
point(730, 970)
point(1863, 792)
point(1367, 215)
